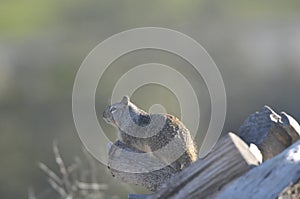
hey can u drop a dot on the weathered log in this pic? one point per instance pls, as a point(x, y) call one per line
point(138, 196)
point(269, 179)
point(135, 167)
point(270, 132)
point(229, 159)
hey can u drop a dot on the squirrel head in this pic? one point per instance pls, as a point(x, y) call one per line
point(124, 114)
point(114, 112)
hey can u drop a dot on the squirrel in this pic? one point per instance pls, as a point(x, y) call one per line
point(163, 135)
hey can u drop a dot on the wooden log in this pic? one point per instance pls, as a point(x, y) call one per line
point(135, 167)
point(268, 180)
point(138, 196)
point(229, 159)
point(270, 132)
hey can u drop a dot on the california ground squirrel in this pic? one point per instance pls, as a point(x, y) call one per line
point(163, 134)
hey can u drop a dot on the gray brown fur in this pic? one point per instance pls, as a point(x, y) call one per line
point(161, 134)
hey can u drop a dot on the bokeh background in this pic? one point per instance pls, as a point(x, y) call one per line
point(255, 44)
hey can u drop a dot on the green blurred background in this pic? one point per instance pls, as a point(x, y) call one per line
point(255, 44)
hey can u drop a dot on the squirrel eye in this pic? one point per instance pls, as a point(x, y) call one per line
point(112, 109)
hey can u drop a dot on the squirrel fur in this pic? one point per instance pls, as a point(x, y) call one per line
point(163, 135)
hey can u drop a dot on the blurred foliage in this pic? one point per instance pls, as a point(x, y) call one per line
point(25, 16)
point(255, 44)
point(22, 17)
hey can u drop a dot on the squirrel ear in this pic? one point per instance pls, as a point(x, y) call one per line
point(125, 100)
